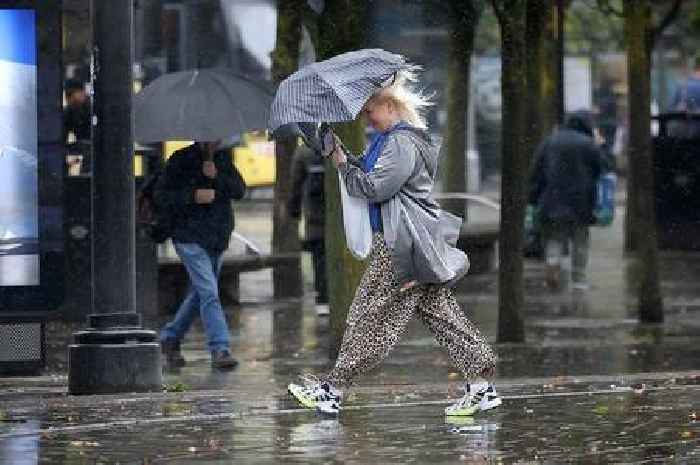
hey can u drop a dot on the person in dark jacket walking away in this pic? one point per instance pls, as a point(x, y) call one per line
point(308, 191)
point(566, 170)
point(196, 189)
point(77, 114)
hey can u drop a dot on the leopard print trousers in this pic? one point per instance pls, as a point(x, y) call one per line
point(380, 312)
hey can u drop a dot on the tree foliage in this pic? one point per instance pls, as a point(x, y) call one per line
point(660, 15)
point(488, 34)
point(590, 27)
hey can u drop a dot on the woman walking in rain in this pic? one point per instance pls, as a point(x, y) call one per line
point(413, 260)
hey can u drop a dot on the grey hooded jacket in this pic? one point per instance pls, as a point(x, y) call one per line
point(419, 234)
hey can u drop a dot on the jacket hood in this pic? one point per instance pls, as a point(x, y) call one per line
point(580, 121)
point(427, 149)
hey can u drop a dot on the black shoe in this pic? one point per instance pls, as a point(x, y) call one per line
point(172, 354)
point(222, 360)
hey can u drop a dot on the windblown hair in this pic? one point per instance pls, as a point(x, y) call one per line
point(409, 101)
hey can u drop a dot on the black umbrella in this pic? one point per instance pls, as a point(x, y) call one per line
point(201, 105)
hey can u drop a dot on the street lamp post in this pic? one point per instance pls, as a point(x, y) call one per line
point(114, 354)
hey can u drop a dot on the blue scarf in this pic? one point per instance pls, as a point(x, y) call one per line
point(367, 164)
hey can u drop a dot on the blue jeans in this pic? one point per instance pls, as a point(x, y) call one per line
point(203, 269)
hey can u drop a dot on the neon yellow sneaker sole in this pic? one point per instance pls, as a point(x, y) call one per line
point(459, 421)
point(466, 411)
point(489, 400)
point(297, 392)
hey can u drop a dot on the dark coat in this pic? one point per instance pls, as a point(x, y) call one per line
point(308, 191)
point(210, 225)
point(567, 167)
point(76, 119)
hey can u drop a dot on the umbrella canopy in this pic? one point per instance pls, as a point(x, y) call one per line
point(201, 105)
point(334, 90)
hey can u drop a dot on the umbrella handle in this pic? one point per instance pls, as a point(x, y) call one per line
point(389, 81)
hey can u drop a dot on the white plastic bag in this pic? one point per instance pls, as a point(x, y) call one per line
point(358, 231)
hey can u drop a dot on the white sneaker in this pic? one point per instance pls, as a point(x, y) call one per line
point(322, 310)
point(489, 398)
point(477, 398)
point(314, 392)
point(329, 407)
point(581, 285)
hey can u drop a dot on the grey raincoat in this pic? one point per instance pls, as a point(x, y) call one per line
point(421, 236)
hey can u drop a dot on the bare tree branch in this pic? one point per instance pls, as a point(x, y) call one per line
point(499, 11)
point(666, 20)
point(441, 3)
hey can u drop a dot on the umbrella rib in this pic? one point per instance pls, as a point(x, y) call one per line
point(332, 87)
point(232, 98)
point(304, 80)
point(194, 78)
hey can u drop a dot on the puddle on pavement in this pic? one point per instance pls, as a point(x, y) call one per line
point(624, 427)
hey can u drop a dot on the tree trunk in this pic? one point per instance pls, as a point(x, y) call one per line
point(464, 16)
point(543, 69)
point(344, 271)
point(286, 280)
point(538, 79)
point(343, 27)
point(638, 37)
point(512, 19)
point(559, 18)
point(630, 244)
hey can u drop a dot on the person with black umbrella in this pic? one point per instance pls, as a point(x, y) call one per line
point(196, 190)
point(205, 105)
point(567, 166)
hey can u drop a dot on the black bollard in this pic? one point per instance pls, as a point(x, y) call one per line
point(114, 354)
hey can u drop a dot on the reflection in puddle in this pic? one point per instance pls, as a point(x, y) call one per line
point(316, 437)
point(22, 449)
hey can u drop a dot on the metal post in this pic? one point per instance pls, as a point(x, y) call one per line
point(114, 272)
point(114, 354)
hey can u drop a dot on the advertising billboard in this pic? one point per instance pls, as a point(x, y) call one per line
point(19, 205)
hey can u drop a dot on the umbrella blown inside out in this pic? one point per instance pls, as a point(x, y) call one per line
point(202, 105)
point(334, 90)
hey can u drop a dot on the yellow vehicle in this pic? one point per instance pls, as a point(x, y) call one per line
point(254, 158)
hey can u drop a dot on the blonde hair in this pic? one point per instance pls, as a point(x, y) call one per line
point(409, 101)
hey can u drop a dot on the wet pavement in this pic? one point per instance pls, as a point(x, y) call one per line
point(590, 385)
point(589, 420)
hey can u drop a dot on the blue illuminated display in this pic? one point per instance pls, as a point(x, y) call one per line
point(19, 209)
point(18, 33)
